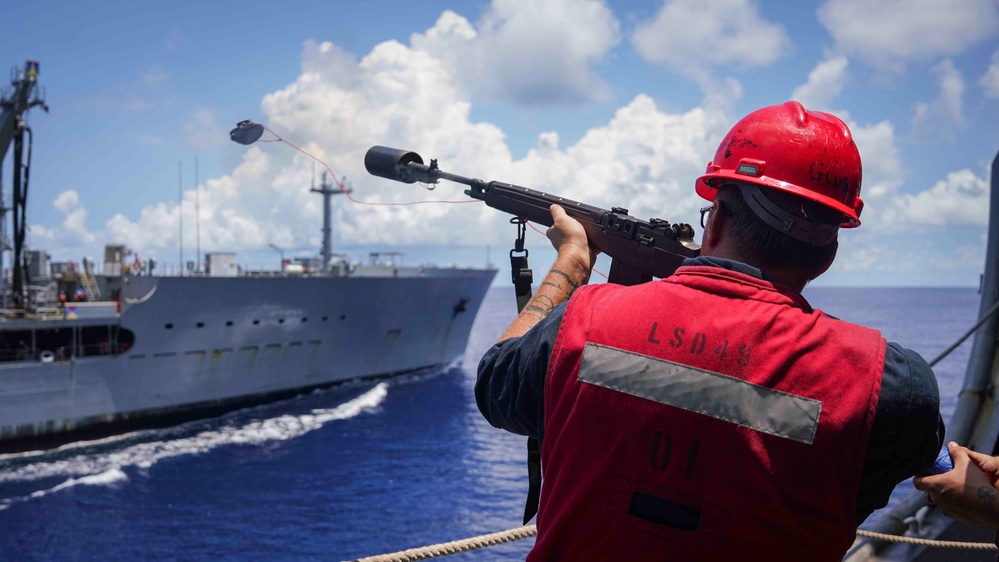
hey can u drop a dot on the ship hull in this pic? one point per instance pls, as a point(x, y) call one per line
point(207, 345)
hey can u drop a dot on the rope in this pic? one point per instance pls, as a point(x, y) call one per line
point(960, 340)
point(455, 547)
point(493, 539)
point(927, 542)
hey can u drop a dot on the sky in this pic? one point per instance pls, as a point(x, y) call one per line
point(609, 103)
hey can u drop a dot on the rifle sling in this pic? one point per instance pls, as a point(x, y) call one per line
point(522, 279)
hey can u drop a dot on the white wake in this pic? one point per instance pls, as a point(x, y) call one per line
point(106, 468)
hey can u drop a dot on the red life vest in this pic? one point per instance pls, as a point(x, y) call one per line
point(707, 416)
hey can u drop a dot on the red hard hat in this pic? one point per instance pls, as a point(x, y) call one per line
point(808, 153)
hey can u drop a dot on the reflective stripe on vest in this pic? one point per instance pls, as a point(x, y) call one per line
point(698, 390)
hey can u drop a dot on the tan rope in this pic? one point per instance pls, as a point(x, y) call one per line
point(493, 539)
point(927, 542)
point(455, 547)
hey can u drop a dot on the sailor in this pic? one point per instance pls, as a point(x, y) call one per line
point(715, 414)
point(68, 281)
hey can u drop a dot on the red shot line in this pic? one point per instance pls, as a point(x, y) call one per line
point(336, 180)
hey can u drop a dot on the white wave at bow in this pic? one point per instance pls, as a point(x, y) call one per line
point(105, 468)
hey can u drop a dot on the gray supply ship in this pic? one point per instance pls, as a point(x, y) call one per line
point(142, 349)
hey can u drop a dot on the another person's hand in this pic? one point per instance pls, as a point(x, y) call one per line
point(968, 492)
point(569, 239)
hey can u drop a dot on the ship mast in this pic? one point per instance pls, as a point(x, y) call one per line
point(12, 129)
point(326, 190)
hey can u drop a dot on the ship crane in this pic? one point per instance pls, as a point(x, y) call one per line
point(13, 108)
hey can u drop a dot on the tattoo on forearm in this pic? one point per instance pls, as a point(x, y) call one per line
point(538, 311)
point(988, 495)
point(542, 305)
point(544, 300)
point(572, 283)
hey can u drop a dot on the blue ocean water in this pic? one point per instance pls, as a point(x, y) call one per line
point(353, 471)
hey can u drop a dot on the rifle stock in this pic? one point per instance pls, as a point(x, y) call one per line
point(639, 249)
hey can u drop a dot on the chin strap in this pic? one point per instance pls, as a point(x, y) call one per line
point(813, 233)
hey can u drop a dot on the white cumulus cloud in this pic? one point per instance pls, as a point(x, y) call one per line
point(67, 201)
point(644, 159)
point(825, 82)
point(882, 164)
point(72, 233)
point(962, 199)
point(690, 34)
point(249, 208)
point(990, 80)
point(887, 33)
point(202, 130)
point(533, 53)
point(944, 114)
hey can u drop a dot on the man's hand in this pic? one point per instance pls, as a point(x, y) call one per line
point(968, 492)
point(569, 239)
point(570, 271)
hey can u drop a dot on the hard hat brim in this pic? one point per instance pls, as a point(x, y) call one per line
point(706, 188)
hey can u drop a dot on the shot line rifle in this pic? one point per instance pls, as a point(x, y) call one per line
point(639, 249)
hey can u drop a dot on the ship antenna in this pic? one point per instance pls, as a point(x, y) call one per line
point(180, 213)
point(197, 216)
point(326, 190)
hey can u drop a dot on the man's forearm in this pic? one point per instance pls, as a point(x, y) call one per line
point(566, 275)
